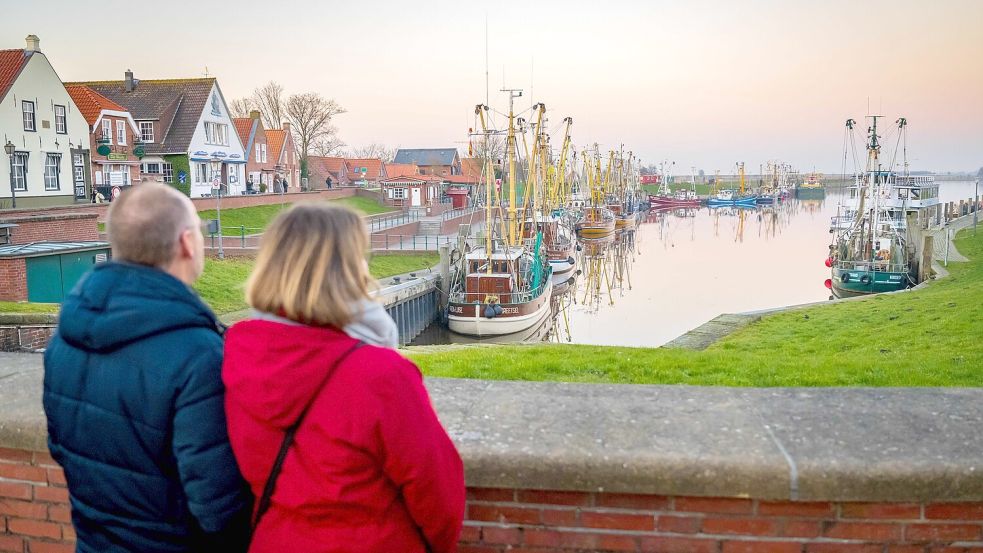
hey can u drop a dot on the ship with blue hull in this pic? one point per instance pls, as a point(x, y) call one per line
point(729, 198)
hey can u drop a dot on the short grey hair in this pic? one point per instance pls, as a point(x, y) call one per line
point(145, 223)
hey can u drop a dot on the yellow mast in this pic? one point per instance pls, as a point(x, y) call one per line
point(489, 175)
point(740, 172)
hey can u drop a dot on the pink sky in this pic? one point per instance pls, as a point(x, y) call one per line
point(705, 83)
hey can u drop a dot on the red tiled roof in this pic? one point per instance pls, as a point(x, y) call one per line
point(326, 164)
point(462, 179)
point(275, 138)
point(11, 63)
point(244, 126)
point(421, 178)
point(401, 169)
point(373, 165)
point(90, 102)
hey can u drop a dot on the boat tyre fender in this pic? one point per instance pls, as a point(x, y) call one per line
point(865, 279)
point(492, 309)
point(845, 277)
point(489, 311)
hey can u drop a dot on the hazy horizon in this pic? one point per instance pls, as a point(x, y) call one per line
point(704, 84)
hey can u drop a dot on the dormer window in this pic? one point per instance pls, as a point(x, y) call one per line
point(147, 131)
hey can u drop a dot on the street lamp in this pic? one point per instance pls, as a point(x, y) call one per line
point(217, 180)
point(976, 206)
point(9, 148)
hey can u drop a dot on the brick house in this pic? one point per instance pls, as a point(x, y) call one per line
point(112, 131)
point(327, 172)
point(187, 134)
point(50, 136)
point(411, 191)
point(365, 172)
point(284, 154)
point(401, 169)
point(431, 161)
point(260, 165)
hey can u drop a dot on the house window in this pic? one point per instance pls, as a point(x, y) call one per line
point(121, 132)
point(399, 193)
point(19, 171)
point(259, 154)
point(61, 125)
point(151, 168)
point(264, 152)
point(28, 109)
point(52, 170)
point(201, 172)
point(216, 133)
point(168, 172)
point(78, 168)
point(107, 130)
point(147, 131)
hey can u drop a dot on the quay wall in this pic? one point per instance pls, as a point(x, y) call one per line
point(555, 467)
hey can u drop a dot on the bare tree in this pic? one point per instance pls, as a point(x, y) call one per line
point(494, 147)
point(310, 117)
point(328, 147)
point(240, 107)
point(373, 151)
point(271, 102)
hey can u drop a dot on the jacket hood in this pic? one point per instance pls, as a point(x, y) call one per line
point(273, 369)
point(117, 303)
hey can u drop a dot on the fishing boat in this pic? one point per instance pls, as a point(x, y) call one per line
point(729, 197)
point(811, 187)
point(505, 286)
point(871, 254)
point(596, 222)
point(597, 219)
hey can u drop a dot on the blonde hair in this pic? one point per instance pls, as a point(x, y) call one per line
point(311, 266)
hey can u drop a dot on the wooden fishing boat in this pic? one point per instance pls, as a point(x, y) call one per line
point(596, 222)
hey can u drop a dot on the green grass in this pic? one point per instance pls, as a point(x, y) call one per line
point(221, 285)
point(256, 218)
point(928, 337)
point(24, 307)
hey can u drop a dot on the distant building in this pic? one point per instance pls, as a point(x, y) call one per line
point(365, 172)
point(260, 168)
point(283, 152)
point(431, 161)
point(327, 172)
point(411, 191)
point(401, 169)
point(49, 133)
point(186, 132)
point(112, 131)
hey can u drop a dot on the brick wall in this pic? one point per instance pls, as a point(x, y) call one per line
point(34, 518)
point(500, 520)
point(13, 275)
point(53, 227)
point(25, 337)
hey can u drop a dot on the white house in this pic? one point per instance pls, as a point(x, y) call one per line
point(44, 128)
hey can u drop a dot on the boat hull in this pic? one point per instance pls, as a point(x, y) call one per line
point(742, 202)
point(592, 230)
point(862, 283)
point(469, 319)
point(563, 269)
point(667, 201)
point(810, 193)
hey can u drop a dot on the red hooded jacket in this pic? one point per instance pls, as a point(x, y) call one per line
point(370, 469)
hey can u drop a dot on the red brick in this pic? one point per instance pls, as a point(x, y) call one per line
point(470, 534)
point(614, 542)
point(491, 494)
point(678, 524)
point(862, 531)
point(23, 472)
point(56, 477)
point(11, 544)
point(554, 497)
point(503, 535)
point(34, 528)
point(954, 511)
point(503, 514)
point(802, 528)
point(906, 511)
point(761, 547)
point(47, 547)
point(796, 508)
point(844, 548)
point(666, 544)
point(478, 549)
point(15, 490)
point(60, 513)
point(542, 538)
point(68, 531)
point(44, 459)
point(905, 549)
point(15, 456)
point(617, 521)
point(50, 494)
point(941, 532)
point(632, 501)
point(713, 505)
point(23, 509)
point(746, 526)
point(559, 517)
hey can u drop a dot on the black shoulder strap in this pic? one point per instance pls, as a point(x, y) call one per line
point(288, 438)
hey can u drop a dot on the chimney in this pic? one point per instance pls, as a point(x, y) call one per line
point(128, 83)
point(254, 114)
point(286, 126)
point(33, 43)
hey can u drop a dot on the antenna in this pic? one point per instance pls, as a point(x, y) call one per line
point(486, 60)
point(532, 75)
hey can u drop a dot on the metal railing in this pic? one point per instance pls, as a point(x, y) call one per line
point(409, 242)
point(389, 221)
point(239, 231)
point(454, 213)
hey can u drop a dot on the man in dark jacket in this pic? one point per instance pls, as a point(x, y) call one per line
point(133, 392)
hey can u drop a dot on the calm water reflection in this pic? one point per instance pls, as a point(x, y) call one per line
point(685, 267)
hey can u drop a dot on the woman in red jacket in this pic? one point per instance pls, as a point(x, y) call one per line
point(370, 468)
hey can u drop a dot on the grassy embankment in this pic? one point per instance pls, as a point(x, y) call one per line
point(221, 285)
point(928, 337)
point(18, 307)
point(256, 218)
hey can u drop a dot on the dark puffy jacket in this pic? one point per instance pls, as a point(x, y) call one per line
point(134, 400)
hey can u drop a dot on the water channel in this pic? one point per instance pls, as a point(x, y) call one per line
point(685, 266)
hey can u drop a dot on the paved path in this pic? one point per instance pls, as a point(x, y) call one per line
point(940, 238)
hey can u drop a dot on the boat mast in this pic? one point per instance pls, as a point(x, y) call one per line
point(489, 174)
point(510, 148)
